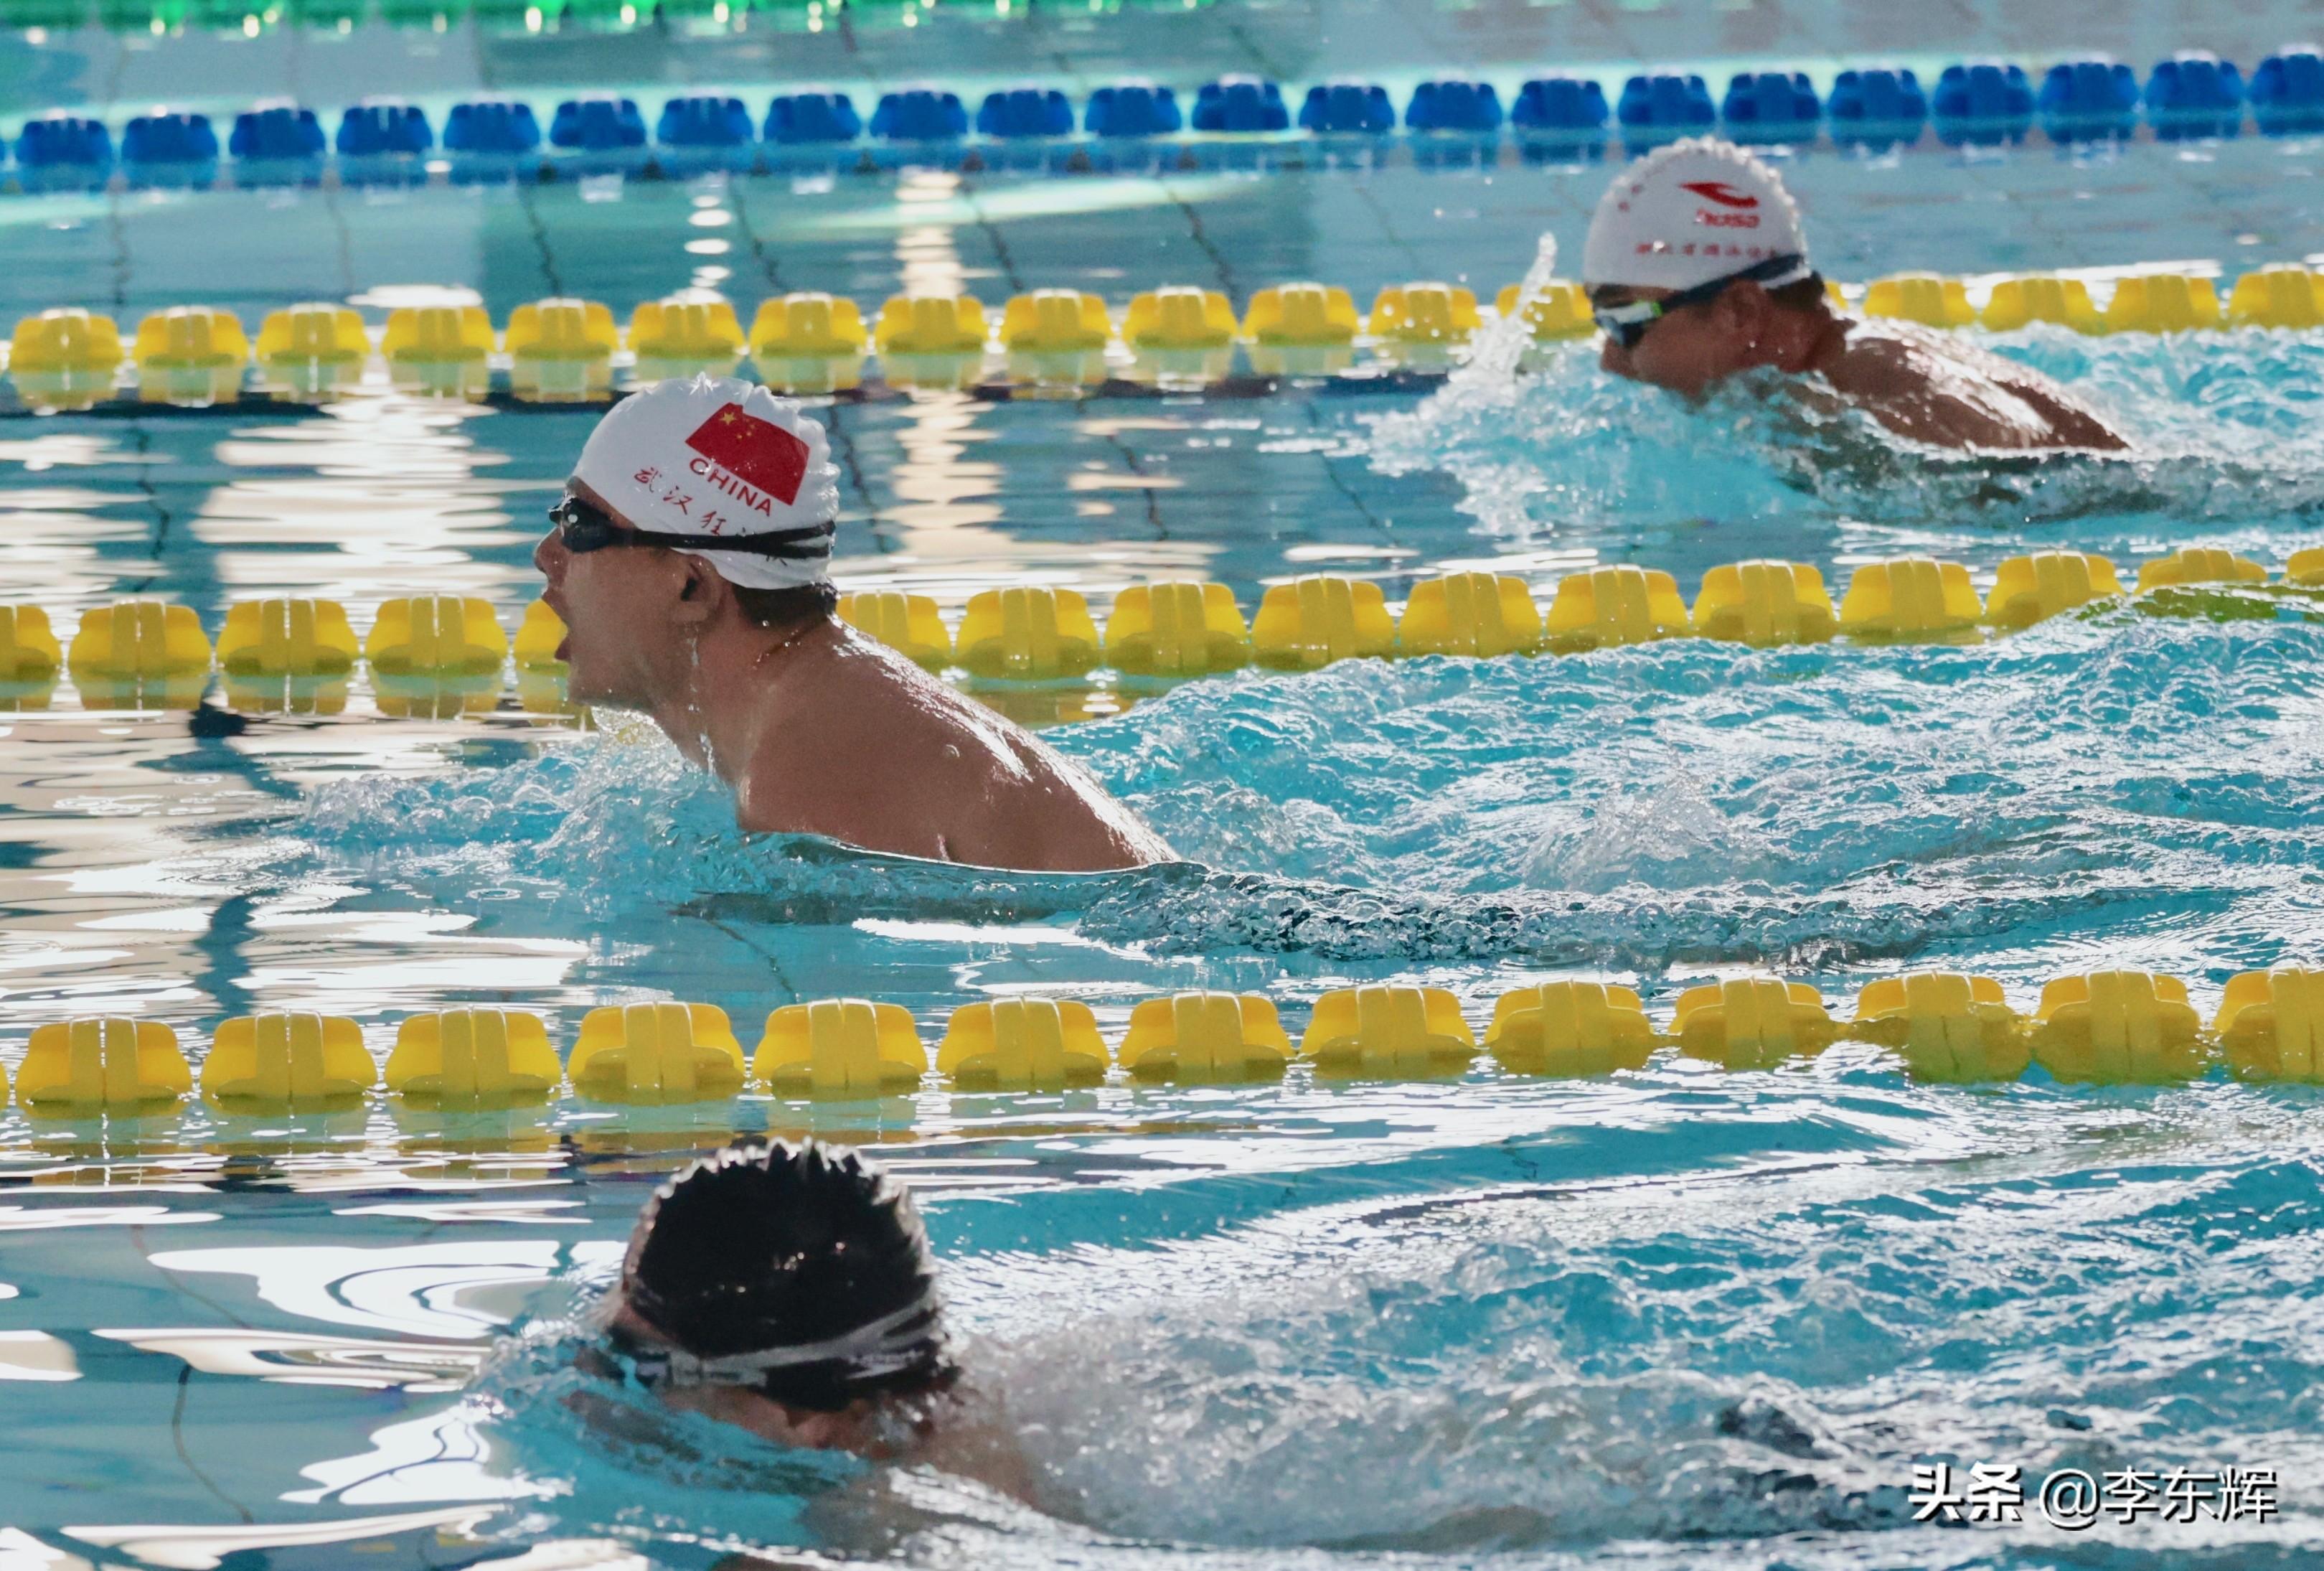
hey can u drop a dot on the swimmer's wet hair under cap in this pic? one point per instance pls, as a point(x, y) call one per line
point(1686, 214)
point(800, 1269)
point(714, 456)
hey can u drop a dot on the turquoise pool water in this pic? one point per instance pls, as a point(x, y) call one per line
point(1678, 1318)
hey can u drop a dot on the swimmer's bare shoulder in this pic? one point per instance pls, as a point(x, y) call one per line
point(1928, 387)
point(900, 761)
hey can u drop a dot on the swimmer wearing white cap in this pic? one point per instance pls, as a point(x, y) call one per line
point(690, 559)
point(1697, 270)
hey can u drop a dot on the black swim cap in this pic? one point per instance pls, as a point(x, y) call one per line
point(763, 1249)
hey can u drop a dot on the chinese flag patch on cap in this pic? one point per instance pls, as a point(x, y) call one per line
point(757, 452)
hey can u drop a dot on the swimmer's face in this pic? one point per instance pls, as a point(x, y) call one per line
point(622, 607)
point(744, 1407)
point(1694, 347)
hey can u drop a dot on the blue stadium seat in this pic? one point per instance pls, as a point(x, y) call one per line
point(383, 128)
point(1241, 103)
point(1347, 109)
point(1654, 110)
point(1876, 109)
point(1458, 108)
point(1769, 106)
point(2089, 100)
point(796, 119)
point(492, 127)
point(1017, 113)
point(919, 114)
point(1983, 103)
point(705, 120)
point(2195, 95)
point(2287, 93)
point(1133, 109)
point(597, 123)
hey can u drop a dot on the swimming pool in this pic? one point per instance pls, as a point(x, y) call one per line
point(1677, 1317)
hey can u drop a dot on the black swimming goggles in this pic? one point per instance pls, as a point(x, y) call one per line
point(888, 1346)
point(581, 529)
point(1627, 323)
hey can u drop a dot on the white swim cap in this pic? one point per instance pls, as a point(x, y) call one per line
point(716, 457)
point(1691, 212)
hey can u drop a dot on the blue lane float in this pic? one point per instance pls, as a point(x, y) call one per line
point(1764, 107)
point(2287, 93)
point(1561, 118)
point(1982, 104)
point(1876, 109)
point(1656, 109)
point(172, 150)
point(2195, 95)
point(2089, 100)
point(1347, 109)
point(63, 152)
point(1240, 105)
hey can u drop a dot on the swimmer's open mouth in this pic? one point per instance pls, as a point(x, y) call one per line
point(564, 650)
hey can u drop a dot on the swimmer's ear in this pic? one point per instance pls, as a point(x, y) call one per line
point(700, 593)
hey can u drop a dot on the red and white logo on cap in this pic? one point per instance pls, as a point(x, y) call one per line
point(1720, 192)
point(748, 458)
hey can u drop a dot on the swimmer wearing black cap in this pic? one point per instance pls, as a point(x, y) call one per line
point(790, 1290)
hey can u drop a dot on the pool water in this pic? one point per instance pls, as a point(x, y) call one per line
point(1678, 1318)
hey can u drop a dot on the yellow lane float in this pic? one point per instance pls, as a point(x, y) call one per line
point(840, 1047)
point(1559, 310)
point(807, 326)
point(1569, 1029)
point(1480, 614)
point(2305, 568)
point(80, 1069)
point(65, 340)
point(1423, 313)
point(139, 641)
point(1384, 1030)
point(537, 638)
point(1921, 297)
point(2030, 588)
point(438, 335)
point(2198, 565)
point(1946, 1026)
point(561, 327)
point(1178, 318)
point(1754, 1023)
point(1306, 316)
point(1192, 1037)
point(462, 1059)
point(2278, 297)
point(1763, 604)
point(1022, 1044)
point(1606, 606)
point(2271, 1025)
point(1909, 598)
point(931, 324)
point(1028, 634)
point(439, 635)
point(906, 623)
point(287, 1062)
point(2117, 1026)
point(1311, 622)
point(691, 327)
point(313, 335)
point(2017, 302)
point(1054, 321)
point(2162, 302)
point(1178, 629)
point(655, 1054)
point(295, 637)
point(29, 652)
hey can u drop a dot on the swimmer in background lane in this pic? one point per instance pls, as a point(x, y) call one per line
point(690, 561)
point(1697, 270)
point(790, 1290)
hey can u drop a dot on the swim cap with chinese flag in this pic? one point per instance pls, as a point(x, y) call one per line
point(1683, 215)
point(719, 456)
